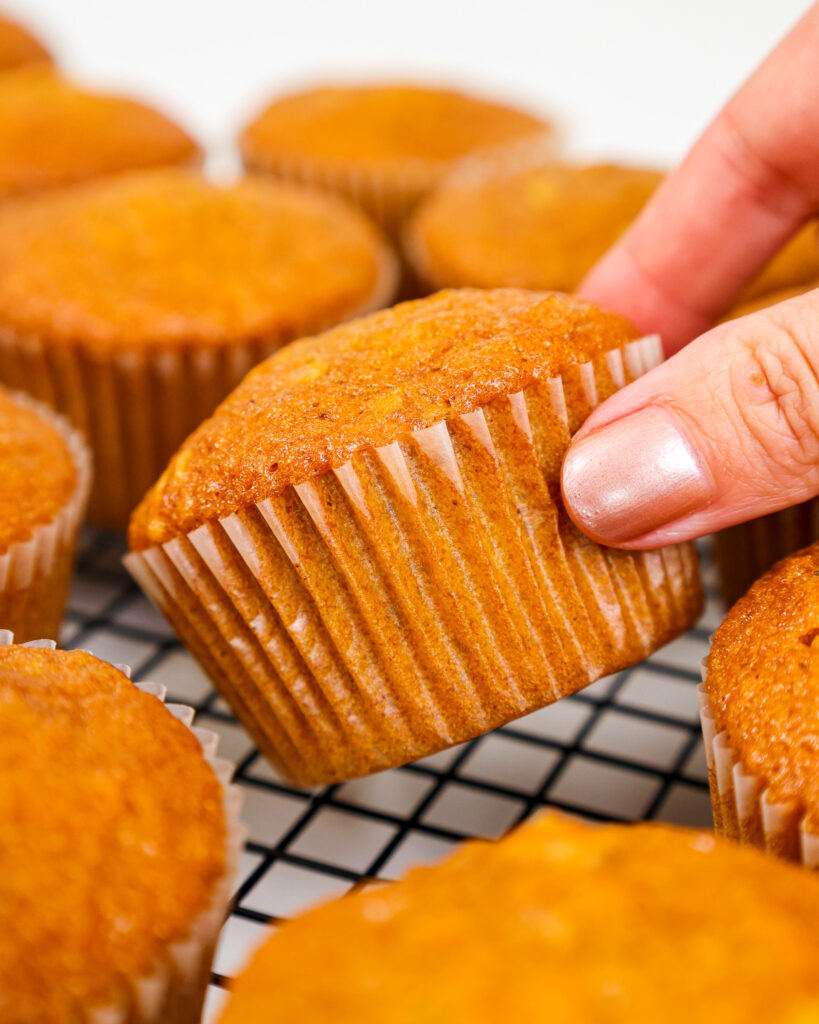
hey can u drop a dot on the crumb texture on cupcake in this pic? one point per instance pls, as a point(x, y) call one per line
point(762, 682)
point(53, 132)
point(37, 472)
point(562, 922)
point(18, 46)
point(380, 124)
point(311, 406)
point(113, 835)
point(539, 227)
point(167, 257)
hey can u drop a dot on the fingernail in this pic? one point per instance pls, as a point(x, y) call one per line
point(633, 476)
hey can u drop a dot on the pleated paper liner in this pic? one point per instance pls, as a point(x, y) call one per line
point(35, 574)
point(746, 551)
point(174, 992)
point(742, 805)
point(424, 592)
point(136, 405)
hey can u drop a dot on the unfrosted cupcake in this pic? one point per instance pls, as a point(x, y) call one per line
point(760, 707)
point(559, 922)
point(53, 132)
point(119, 841)
point(18, 46)
point(383, 145)
point(366, 547)
point(545, 225)
point(45, 476)
point(135, 304)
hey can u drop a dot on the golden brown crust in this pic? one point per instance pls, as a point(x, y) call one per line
point(167, 257)
point(18, 46)
point(763, 681)
point(560, 922)
point(379, 125)
point(53, 133)
point(113, 839)
point(36, 468)
point(540, 227)
point(313, 404)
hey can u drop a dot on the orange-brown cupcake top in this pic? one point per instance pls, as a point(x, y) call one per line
point(37, 470)
point(382, 125)
point(113, 833)
point(540, 227)
point(796, 263)
point(168, 257)
point(53, 132)
point(560, 922)
point(18, 46)
point(310, 406)
point(763, 680)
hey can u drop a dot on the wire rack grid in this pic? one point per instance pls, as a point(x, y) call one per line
point(625, 749)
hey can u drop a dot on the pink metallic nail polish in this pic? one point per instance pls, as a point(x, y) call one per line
point(633, 476)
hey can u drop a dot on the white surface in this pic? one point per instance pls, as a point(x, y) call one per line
point(629, 78)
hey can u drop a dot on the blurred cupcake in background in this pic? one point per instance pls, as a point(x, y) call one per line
point(18, 46)
point(134, 304)
point(385, 146)
point(54, 132)
point(45, 476)
point(366, 546)
point(120, 841)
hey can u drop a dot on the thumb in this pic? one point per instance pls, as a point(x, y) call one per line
point(726, 430)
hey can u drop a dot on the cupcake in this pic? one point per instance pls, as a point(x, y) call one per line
point(384, 146)
point(760, 706)
point(53, 132)
point(545, 226)
point(795, 265)
point(559, 922)
point(18, 46)
point(135, 304)
point(745, 551)
point(366, 548)
point(119, 841)
point(45, 470)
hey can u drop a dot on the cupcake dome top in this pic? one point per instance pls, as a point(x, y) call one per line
point(763, 681)
point(18, 46)
point(37, 471)
point(167, 257)
point(541, 227)
point(309, 407)
point(561, 922)
point(380, 124)
point(53, 132)
point(113, 833)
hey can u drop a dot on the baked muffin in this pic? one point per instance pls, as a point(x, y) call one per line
point(53, 132)
point(796, 264)
point(545, 225)
point(760, 706)
point(559, 922)
point(365, 546)
point(18, 46)
point(118, 846)
point(745, 551)
point(45, 468)
point(383, 145)
point(135, 304)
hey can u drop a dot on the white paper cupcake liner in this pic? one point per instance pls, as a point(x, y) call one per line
point(46, 556)
point(136, 405)
point(326, 615)
point(742, 805)
point(174, 993)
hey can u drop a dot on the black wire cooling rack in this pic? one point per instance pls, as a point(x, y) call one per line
point(626, 748)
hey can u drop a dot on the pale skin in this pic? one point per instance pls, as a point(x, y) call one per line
point(727, 428)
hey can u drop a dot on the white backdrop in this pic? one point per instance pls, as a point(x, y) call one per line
point(627, 78)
